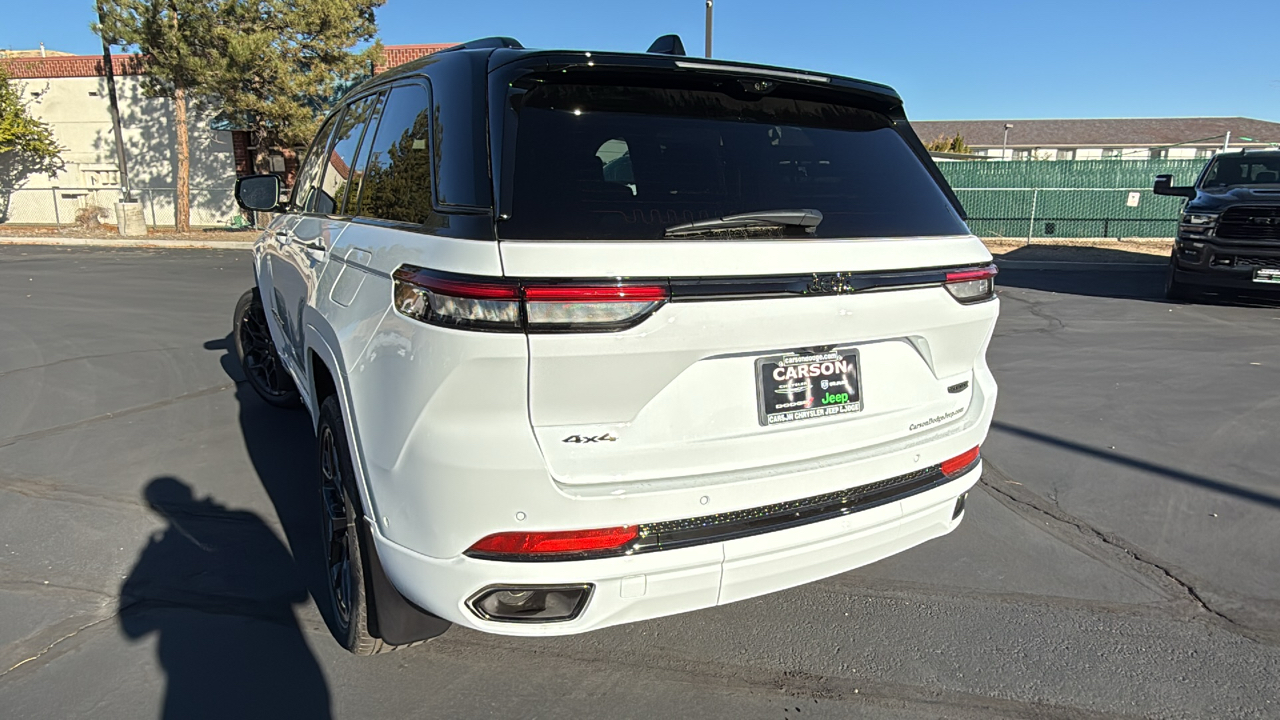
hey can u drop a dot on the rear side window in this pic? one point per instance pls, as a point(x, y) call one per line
point(397, 178)
point(625, 163)
point(331, 190)
point(304, 186)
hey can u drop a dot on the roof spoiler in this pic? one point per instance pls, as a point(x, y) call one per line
point(487, 43)
point(667, 45)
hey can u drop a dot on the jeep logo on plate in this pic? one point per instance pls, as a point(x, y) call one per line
point(837, 284)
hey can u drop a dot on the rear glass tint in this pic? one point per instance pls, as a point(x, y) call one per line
point(625, 163)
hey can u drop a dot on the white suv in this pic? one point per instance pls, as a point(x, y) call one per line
point(590, 338)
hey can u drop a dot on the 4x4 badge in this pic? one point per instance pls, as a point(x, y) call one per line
point(590, 438)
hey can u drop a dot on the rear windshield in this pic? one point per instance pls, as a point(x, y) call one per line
point(625, 163)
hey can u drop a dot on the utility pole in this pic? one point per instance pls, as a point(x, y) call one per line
point(1226, 143)
point(709, 28)
point(109, 70)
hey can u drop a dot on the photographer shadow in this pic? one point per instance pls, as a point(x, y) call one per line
point(219, 590)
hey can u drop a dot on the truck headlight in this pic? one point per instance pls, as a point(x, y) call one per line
point(1200, 220)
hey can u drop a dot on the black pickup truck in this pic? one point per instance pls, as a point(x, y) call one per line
point(1229, 234)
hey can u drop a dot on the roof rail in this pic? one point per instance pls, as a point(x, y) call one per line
point(489, 42)
point(667, 45)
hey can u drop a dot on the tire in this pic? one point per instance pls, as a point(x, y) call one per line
point(257, 354)
point(1177, 291)
point(347, 546)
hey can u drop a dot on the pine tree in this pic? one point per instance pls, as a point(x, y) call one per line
point(271, 66)
point(182, 59)
point(288, 60)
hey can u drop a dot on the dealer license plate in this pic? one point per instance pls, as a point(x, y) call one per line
point(1266, 275)
point(805, 384)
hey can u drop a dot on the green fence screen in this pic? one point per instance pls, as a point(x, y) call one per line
point(1069, 198)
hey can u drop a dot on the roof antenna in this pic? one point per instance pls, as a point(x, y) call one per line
point(667, 45)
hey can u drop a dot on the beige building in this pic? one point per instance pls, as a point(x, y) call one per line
point(1105, 138)
point(69, 92)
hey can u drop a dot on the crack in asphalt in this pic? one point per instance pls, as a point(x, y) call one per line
point(1028, 502)
point(792, 683)
point(6, 442)
point(44, 651)
point(56, 492)
point(89, 357)
point(1036, 308)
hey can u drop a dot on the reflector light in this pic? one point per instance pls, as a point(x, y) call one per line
point(555, 543)
point(959, 463)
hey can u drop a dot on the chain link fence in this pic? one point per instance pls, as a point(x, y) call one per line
point(1069, 198)
point(210, 206)
point(1070, 212)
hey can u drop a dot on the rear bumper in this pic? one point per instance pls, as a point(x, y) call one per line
point(661, 583)
point(1208, 264)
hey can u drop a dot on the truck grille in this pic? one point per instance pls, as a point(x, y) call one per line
point(1256, 261)
point(1250, 223)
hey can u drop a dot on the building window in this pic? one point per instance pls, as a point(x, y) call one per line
point(1204, 153)
point(1021, 154)
point(1111, 153)
point(1066, 155)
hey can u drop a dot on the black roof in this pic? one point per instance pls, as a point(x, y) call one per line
point(499, 51)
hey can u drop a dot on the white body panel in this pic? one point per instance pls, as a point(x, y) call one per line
point(457, 434)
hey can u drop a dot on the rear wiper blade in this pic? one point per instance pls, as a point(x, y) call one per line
point(806, 219)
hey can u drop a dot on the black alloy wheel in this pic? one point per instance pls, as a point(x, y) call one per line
point(258, 357)
point(347, 546)
point(338, 526)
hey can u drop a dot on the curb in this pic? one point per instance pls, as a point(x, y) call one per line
point(130, 243)
point(1075, 265)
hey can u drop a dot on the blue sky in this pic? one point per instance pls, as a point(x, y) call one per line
point(983, 59)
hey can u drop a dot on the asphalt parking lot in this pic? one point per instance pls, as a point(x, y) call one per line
point(160, 538)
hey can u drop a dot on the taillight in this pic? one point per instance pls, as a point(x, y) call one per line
point(457, 303)
point(970, 286)
point(590, 307)
point(511, 306)
point(604, 541)
point(960, 463)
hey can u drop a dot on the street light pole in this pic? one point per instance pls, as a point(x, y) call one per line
point(1004, 145)
point(709, 28)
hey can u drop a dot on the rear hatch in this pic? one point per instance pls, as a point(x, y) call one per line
point(818, 325)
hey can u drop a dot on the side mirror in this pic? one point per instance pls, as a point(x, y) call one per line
point(259, 192)
point(1164, 186)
